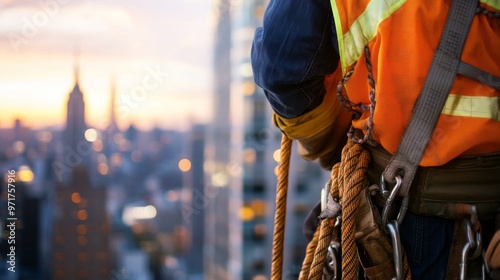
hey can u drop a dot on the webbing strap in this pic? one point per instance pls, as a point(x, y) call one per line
point(479, 75)
point(433, 96)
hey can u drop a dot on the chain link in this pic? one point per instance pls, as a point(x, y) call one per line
point(358, 108)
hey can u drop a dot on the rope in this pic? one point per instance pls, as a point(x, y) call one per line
point(348, 177)
point(280, 215)
point(355, 161)
point(308, 260)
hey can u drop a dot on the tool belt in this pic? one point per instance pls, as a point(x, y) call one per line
point(471, 179)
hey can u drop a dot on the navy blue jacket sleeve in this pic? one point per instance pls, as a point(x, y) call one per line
point(293, 52)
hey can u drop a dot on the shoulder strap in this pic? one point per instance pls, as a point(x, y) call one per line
point(433, 96)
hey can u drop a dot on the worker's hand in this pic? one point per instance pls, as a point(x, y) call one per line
point(327, 144)
point(321, 133)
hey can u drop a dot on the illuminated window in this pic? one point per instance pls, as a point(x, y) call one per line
point(259, 207)
point(259, 277)
point(247, 214)
point(103, 169)
point(116, 159)
point(185, 165)
point(248, 88)
point(82, 215)
point(81, 229)
point(75, 197)
point(277, 155)
point(259, 231)
point(98, 146)
point(25, 174)
point(91, 135)
point(45, 136)
point(249, 156)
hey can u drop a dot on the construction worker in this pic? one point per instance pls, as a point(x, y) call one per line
point(381, 52)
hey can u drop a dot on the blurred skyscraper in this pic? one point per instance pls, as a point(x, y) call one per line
point(81, 248)
point(74, 140)
point(260, 149)
point(222, 236)
point(196, 222)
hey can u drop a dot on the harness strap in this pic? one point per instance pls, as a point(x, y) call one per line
point(434, 93)
point(479, 75)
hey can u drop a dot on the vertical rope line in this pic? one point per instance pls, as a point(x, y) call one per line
point(324, 239)
point(355, 161)
point(308, 260)
point(280, 214)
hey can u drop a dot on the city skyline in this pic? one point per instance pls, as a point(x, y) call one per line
point(130, 40)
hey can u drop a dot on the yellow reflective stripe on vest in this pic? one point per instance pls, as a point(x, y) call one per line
point(493, 3)
point(363, 30)
point(472, 106)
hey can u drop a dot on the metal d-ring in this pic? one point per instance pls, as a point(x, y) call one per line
point(390, 200)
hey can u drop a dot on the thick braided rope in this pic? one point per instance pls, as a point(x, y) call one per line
point(355, 161)
point(280, 214)
point(347, 177)
point(308, 260)
point(324, 239)
point(325, 233)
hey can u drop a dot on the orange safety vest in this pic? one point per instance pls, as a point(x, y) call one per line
point(402, 36)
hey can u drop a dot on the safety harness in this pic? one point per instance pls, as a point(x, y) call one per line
point(352, 228)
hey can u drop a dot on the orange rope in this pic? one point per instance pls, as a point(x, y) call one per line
point(347, 177)
point(280, 215)
point(308, 260)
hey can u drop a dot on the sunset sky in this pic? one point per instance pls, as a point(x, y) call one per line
point(129, 39)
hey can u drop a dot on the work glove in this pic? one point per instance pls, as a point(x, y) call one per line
point(320, 133)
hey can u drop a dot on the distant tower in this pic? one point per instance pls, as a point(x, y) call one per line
point(222, 253)
point(80, 238)
point(75, 114)
point(113, 126)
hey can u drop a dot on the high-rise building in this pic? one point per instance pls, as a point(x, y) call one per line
point(196, 222)
point(80, 245)
point(261, 142)
point(74, 138)
point(222, 231)
point(113, 126)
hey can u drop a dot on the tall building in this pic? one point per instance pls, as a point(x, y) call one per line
point(196, 222)
point(74, 138)
point(113, 126)
point(80, 245)
point(222, 231)
point(260, 148)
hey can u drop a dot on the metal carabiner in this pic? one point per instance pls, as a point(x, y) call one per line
point(333, 265)
point(390, 201)
point(465, 252)
point(478, 246)
point(393, 228)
